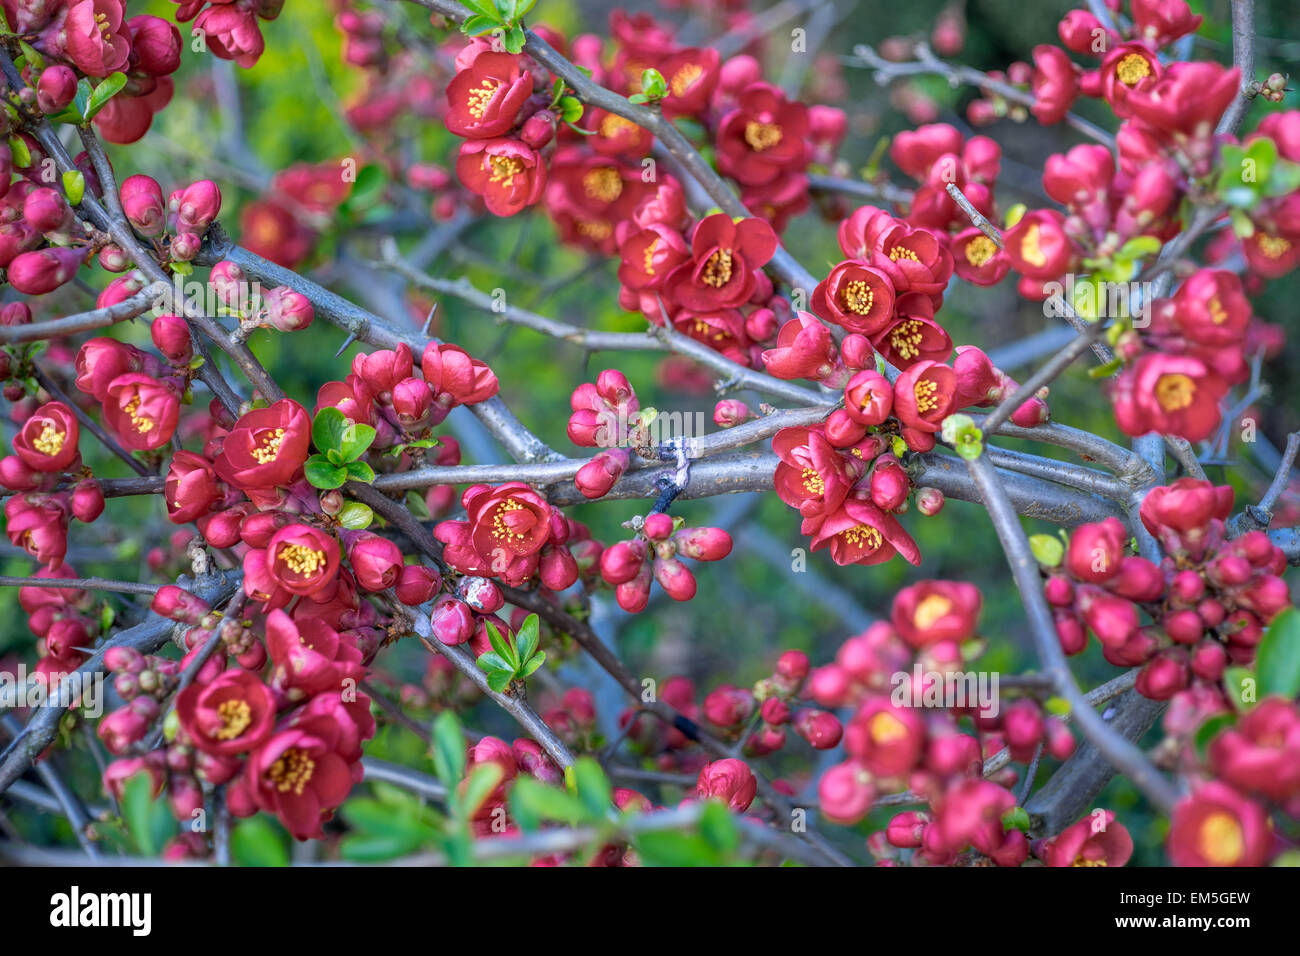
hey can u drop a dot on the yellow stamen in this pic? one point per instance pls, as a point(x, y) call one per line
point(293, 771)
point(930, 610)
point(481, 96)
point(761, 136)
point(1175, 392)
point(603, 183)
point(980, 250)
point(1222, 840)
point(50, 441)
point(717, 271)
point(235, 716)
point(302, 560)
point(1133, 69)
point(858, 297)
point(269, 449)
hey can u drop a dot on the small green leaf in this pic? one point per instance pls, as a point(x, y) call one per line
point(1211, 728)
point(1057, 706)
point(483, 8)
point(1241, 687)
point(570, 109)
point(1016, 819)
point(718, 827)
point(593, 786)
point(448, 748)
point(74, 186)
point(359, 471)
point(526, 639)
point(478, 25)
point(328, 428)
point(533, 803)
point(355, 440)
point(492, 661)
point(22, 156)
point(1277, 661)
point(480, 783)
point(1047, 548)
point(147, 819)
point(500, 680)
point(534, 662)
point(108, 87)
point(355, 516)
point(501, 644)
point(321, 474)
point(653, 84)
point(257, 842)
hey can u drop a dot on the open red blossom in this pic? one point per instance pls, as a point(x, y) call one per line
point(692, 76)
point(47, 441)
point(1037, 246)
point(1261, 754)
point(39, 525)
point(232, 32)
point(303, 560)
point(191, 487)
point(1128, 70)
point(1093, 841)
point(722, 330)
point(804, 349)
point(485, 96)
point(860, 533)
point(812, 475)
point(914, 259)
point(300, 776)
point(266, 448)
point(977, 258)
point(887, 739)
point(142, 411)
point(1055, 82)
point(913, 335)
point(764, 136)
point(724, 256)
point(308, 657)
point(1217, 826)
point(1170, 394)
point(924, 395)
point(649, 254)
point(229, 715)
point(931, 611)
point(456, 377)
point(1210, 309)
point(508, 173)
point(856, 296)
point(1187, 100)
point(509, 525)
point(97, 38)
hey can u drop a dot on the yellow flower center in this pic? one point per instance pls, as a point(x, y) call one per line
point(980, 250)
point(597, 229)
point(479, 97)
point(301, 559)
point(1030, 250)
point(50, 441)
point(717, 271)
point(886, 728)
point(235, 716)
point(858, 297)
point(1133, 69)
point(906, 338)
point(269, 448)
point(292, 771)
point(501, 529)
point(1217, 313)
point(142, 424)
point(504, 170)
point(902, 252)
point(603, 183)
point(930, 610)
point(1080, 861)
point(864, 535)
point(1274, 246)
point(614, 125)
point(649, 261)
point(761, 136)
point(685, 78)
point(1222, 841)
point(1175, 392)
point(812, 482)
point(924, 391)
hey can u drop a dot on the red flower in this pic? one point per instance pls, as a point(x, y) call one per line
point(1163, 21)
point(1217, 826)
point(691, 75)
point(1037, 246)
point(724, 254)
point(308, 657)
point(266, 448)
point(1170, 394)
point(485, 97)
point(1262, 752)
point(924, 395)
point(804, 349)
point(913, 336)
point(933, 611)
point(98, 41)
point(1210, 309)
point(230, 715)
point(977, 258)
point(1188, 99)
point(300, 776)
point(1093, 841)
point(47, 441)
point(764, 136)
point(303, 560)
point(507, 173)
point(915, 151)
point(915, 259)
point(1128, 70)
point(856, 296)
point(142, 411)
point(887, 739)
point(232, 32)
point(39, 525)
point(1270, 254)
point(729, 780)
point(649, 254)
point(1055, 84)
point(509, 524)
point(868, 397)
point(860, 533)
point(456, 377)
point(191, 488)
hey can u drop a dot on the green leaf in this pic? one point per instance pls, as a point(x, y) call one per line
point(359, 471)
point(354, 441)
point(1241, 687)
point(448, 749)
point(515, 38)
point(147, 820)
point(33, 58)
point(534, 662)
point(1016, 819)
point(1211, 728)
point(492, 661)
point(500, 680)
point(1284, 179)
point(1047, 549)
point(257, 842)
point(321, 474)
point(527, 638)
point(718, 826)
point(1277, 661)
point(673, 848)
point(478, 25)
point(480, 783)
point(501, 644)
point(653, 84)
point(533, 802)
point(81, 101)
point(22, 156)
point(593, 786)
point(108, 87)
point(355, 516)
point(328, 428)
point(1057, 706)
point(1107, 370)
point(483, 8)
point(377, 847)
point(570, 109)
point(74, 186)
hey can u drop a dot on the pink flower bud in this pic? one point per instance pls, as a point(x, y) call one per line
point(868, 398)
point(820, 728)
point(452, 621)
point(481, 594)
point(87, 500)
point(122, 728)
point(376, 561)
point(729, 780)
point(186, 245)
point(622, 561)
point(730, 412)
point(56, 88)
point(675, 578)
point(179, 605)
point(1165, 674)
point(598, 476)
point(842, 431)
point(845, 793)
point(702, 544)
point(557, 568)
point(775, 711)
point(171, 335)
point(889, 483)
point(658, 526)
point(227, 281)
point(36, 273)
point(539, 129)
point(45, 210)
point(196, 206)
point(142, 201)
point(929, 501)
point(417, 584)
point(287, 310)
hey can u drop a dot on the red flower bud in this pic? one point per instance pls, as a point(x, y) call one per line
point(452, 621)
point(196, 206)
point(729, 780)
point(171, 334)
point(36, 273)
point(598, 476)
point(417, 584)
point(142, 201)
point(819, 727)
point(87, 500)
point(376, 561)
